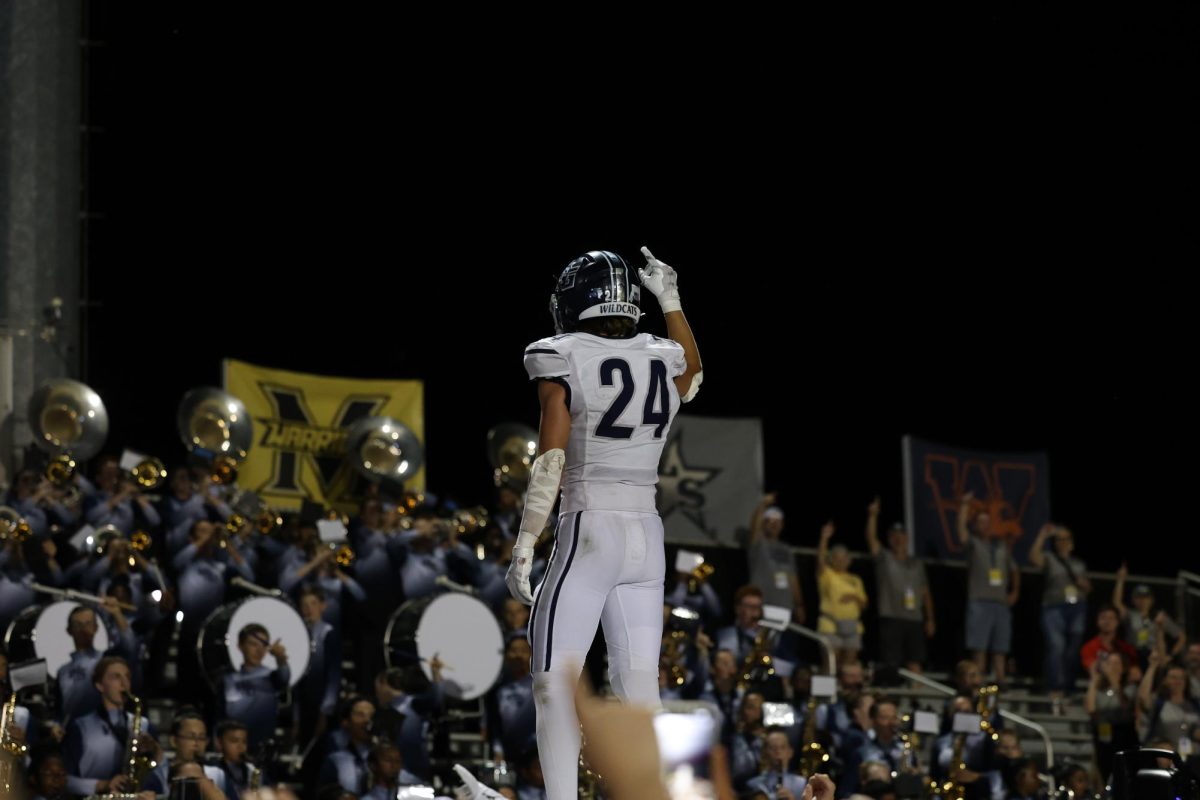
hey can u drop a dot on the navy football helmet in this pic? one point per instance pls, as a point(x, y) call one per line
point(597, 284)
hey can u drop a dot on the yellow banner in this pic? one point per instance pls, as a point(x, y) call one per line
point(300, 422)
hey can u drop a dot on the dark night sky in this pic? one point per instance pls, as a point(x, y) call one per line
point(955, 244)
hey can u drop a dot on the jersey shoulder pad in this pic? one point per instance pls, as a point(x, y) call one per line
point(670, 351)
point(547, 358)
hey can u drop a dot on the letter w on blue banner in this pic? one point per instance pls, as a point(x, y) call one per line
point(1012, 488)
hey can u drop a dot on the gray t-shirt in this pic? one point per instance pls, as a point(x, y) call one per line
point(1059, 588)
point(771, 564)
point(1174, 721)
point(988, 566)
point(1110, 709)
point(1141, 631)
point(901, 586)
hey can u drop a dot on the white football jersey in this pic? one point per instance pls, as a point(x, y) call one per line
point(622, 398)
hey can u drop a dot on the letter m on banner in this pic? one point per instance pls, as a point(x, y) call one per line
point(1013, 488)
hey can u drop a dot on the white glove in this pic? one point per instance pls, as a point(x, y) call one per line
point(662, 282)
point(520, 567)
point(544, 478)
point(473, 789)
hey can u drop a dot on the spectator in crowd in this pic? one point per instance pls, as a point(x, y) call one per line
point(993, 585)
point(906, 617)
point(843, 598)
point(1064, 606)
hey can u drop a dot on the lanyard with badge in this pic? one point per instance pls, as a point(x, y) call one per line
point(1071, 590)
point(995, 574)
point(1143, 636)
point(910, 592)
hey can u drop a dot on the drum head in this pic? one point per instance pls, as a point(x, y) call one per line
point(282, 622)
point(462, 632)
point(50, 638)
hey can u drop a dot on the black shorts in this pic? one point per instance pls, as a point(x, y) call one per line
point(901, 642)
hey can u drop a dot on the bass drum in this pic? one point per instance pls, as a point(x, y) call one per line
point(217, 647)
point(41, 632)
point(460, 630)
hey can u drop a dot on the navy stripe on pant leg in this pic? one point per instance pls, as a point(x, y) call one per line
point(547, 585)
point(554, 601)
point(538, 598)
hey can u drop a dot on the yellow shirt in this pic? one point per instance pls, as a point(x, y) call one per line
point(833, 586)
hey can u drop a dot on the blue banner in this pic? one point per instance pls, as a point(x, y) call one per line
point(1013, 488)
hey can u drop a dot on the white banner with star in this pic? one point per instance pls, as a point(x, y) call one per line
point(710, 479)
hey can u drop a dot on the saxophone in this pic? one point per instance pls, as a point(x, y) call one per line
point(985, 707)
point(138, 763)
point(812, 753)
point(952, 789)
point(12, 752)
point(674, 653)
point(758, 665)
point(589, 781)
point(254, 781)
point(910, 759)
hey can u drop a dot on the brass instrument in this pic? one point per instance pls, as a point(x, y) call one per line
point(233, 526)
point(470, 524)
point(343, 553)
point(149, 474)
point(813, 758)
point(12, 752)
point(952, 789)
point(253, 780)
point(675, 651)
point(13, 527)
point(103, 538)
point(699, 575)
point(910, 758)
point(512, 448)
point(985, 707)
point(470, 520)
point(140, 541)
point(758, 665)
point(589, 782)
point(107, 536)
point(61, 469)
point(137, 763)
point(249, 507)
point(214, 425)
point(382, 447)
point(69, 422)
point(224, 470)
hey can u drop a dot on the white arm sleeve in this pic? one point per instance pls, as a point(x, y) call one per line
point(544, 478)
